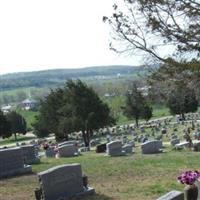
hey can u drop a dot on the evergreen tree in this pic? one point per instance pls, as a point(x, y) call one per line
point(17, 123)
point(182, 100)
point(76, 107)
point(136, 105)
point(4, 126)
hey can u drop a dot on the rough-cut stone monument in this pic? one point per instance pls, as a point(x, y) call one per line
point(62, 182)
point(12, 162)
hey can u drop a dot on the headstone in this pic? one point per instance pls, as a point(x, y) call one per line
point(128, 149)
point(84, 149)
point(101, 148)
point(132, 143)
point(173, 142)
point(163, 131)
point(114, 148)
point(50, 152)
point(173, 195)
point(92, 143)
point(196, 146)
point(62, 182)
point(30, 154)
point(12, 162)
point(74, 142)
point(68, 150)
point(174, 137)
point(182, 145)
point(151, 147)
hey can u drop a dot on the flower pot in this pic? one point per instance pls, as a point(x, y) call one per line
point(191, 192)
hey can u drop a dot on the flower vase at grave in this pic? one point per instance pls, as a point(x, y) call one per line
point(191, 192)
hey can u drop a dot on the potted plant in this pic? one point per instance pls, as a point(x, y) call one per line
point(188, 178)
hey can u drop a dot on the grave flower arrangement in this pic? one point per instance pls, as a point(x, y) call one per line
point(189, 177)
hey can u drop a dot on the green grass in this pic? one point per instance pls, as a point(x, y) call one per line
point(29, 116)
point(133, 177)
point(160, 111)
point(20, 138)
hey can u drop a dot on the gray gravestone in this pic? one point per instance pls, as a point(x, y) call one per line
point(127, 148)
point(30, 155)
point(50, 152)
point(173, 195)
point(74, 142)
point(151, 147)
point(173, 142)
point(62, 182)
point(12, 162)
point(182, 145)
point(68, 150)
point(196, 146)
point(114, 148)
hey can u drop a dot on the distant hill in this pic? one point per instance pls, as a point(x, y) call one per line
point(58, 76)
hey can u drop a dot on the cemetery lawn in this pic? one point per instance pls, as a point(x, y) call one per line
point(133, 177)
point(11, 140)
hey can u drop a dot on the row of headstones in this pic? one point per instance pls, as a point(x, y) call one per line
point(115, 148)
point(15, 161)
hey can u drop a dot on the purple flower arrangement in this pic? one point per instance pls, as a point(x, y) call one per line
point(189, 177)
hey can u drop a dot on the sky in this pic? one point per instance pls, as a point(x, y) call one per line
point(49, 34)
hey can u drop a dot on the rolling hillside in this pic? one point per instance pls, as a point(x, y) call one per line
point(58, 76)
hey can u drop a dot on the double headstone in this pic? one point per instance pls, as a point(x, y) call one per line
point(62, 182)
point(12, 162)
point(151, 147)
point(68, 150)
point(114, 148)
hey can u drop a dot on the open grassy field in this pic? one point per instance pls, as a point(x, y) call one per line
point(133, 177)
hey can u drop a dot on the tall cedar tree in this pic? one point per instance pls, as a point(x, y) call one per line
point(76, 107)
point(17, 123)
point(4, 126)
point(182, 100)
point(136, 105)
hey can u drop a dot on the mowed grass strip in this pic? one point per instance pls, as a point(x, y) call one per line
point(130, 177)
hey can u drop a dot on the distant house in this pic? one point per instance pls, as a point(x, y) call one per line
point(144, 90)
point(6, 109)
point(109, 94)
point(29, 104)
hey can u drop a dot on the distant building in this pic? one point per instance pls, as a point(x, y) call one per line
point(119, 75)
point(109, 94)
point(6, 109)
point(144, 90)
point(29, 104)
